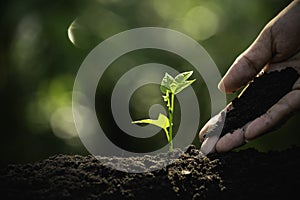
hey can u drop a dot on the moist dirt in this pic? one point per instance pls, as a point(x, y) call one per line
point(258, 97)
point(246, 174)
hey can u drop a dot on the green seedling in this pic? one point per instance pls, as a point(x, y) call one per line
point(169, 87)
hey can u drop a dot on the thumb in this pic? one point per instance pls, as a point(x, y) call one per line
point(249, 63)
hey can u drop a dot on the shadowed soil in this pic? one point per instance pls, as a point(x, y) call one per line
point(245, 174)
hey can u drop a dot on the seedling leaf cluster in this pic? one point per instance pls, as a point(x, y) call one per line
point(169, 87)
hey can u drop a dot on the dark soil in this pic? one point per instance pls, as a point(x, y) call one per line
point(260, 95)
point(247, 174)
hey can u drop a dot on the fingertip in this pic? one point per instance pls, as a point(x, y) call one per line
point(224, 144)
point(202, 132)
point(221, 86)
point(233, 79)
point(252, 130)
point(226, 89)
point(258, 127)
point(208, 145)
point(231, 141)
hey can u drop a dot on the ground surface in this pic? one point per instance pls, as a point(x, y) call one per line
point(246, 174)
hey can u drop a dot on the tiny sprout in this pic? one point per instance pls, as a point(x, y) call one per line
point(169, 87)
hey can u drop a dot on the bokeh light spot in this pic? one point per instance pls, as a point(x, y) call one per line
point(200, 23)
point(62, 123)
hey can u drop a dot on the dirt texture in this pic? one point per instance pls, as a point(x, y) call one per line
point(259, 96)
point(246, 174)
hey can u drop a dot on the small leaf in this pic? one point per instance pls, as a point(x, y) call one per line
point(183, 76)
point(162, 121)
point(183, 85)
point(166, 83)
point(173, 87)
point(163, 89)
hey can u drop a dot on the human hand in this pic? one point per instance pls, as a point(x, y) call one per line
point(276, 47)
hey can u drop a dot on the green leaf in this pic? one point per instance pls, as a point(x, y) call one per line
point(166, 83)
point(162, 121)
point(183, 85)
point(183, 76)
point(173, 87)
point(177, 84)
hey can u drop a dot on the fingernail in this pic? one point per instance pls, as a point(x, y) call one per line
point(208, 146)
point(221, 86)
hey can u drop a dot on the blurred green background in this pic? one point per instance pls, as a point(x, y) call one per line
point(44, 42)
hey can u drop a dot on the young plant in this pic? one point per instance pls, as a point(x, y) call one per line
point(169, 87)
